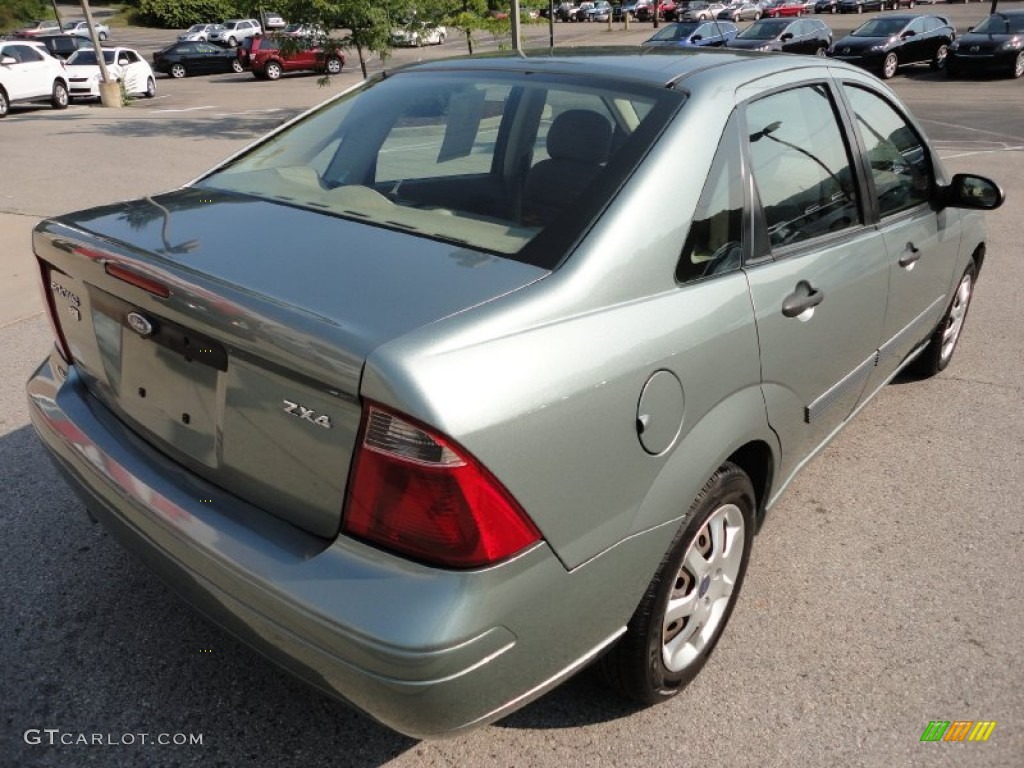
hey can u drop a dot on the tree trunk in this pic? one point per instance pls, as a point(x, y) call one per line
point(362, 60)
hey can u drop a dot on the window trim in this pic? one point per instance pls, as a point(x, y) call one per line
point(870, 192)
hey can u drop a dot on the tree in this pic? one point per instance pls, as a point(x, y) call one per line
point(368, 23)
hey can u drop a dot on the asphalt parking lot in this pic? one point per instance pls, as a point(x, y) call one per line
point(885, 591)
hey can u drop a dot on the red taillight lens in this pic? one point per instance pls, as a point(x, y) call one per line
point(421, 495)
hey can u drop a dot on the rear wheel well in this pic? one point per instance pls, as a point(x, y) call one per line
point(755, 459)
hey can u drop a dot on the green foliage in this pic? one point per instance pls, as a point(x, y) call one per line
point(184, 13)
point(13, 13)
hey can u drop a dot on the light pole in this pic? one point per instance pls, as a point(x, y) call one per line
point(110, 89)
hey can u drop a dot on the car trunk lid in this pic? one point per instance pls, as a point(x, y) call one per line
point(247, 371)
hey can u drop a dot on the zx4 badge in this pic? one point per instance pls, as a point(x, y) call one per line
point(308, 414)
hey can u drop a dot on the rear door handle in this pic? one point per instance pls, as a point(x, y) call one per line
point(803, 298)
point(910, 256)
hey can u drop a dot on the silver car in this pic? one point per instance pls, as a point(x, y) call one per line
point(234, 31)
point(525, 352)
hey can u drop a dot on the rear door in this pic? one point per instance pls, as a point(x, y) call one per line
point(819, 277)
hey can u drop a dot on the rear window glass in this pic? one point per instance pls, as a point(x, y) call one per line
point(492, 161)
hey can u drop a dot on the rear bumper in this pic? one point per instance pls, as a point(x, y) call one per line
point(424, 651)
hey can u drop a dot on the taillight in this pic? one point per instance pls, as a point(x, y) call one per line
point(51, 310)
point(422, 495)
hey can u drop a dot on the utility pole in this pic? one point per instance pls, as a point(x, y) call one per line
point(517, 33)
point(110, 89)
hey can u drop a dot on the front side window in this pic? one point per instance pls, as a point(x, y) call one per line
point(900, 164)
point(801, 165)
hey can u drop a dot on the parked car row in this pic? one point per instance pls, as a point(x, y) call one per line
point(882, 44)
point(265, 56)
point(75, 27)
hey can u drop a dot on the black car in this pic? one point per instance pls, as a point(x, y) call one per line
point(995, 44)
point(859, 6)
point(790, 35)
point(62, 46)
point(887, 42)
point(195, 58)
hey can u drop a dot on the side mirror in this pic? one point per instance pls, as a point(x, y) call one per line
point(908, 33)
point(5, 60)
point(970, 191)
point(123, 62)
point(696, 38)
point(786, 36)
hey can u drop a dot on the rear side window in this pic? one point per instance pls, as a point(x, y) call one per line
point(714, 242)
point(900, 164)
point(801, 165)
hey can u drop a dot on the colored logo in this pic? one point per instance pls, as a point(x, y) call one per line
point(958, 730)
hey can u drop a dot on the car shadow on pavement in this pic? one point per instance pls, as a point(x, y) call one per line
point(92, 642)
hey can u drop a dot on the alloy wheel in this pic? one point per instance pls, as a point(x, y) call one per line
point(703, 587)
point(957, 314)
point(889, 66)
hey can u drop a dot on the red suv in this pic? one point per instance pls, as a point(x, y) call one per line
point(264, 57)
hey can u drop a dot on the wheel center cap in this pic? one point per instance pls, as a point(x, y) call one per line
point(704, 586)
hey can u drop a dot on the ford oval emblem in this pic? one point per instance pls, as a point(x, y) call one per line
point(140, 324)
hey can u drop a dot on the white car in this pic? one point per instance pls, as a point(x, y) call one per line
point(236, 30)
point(273, 21)
point(415, 35)
point(199, 33)
point(123, 64)
point(28, 73)
point(81, 29)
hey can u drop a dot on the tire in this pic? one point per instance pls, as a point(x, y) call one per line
point(236, 66)
point(232, 42)
point(1017, 70)
point(440, 39)
point(757, 16)
point(660, 653)
point(5, 106)
point(889, 65)
point(820, 52)
point(832, 9)
point(178, 71)
point(333, 65)
point(272, 71)
point(946, 335)
point(911, 4)
point(59, 98)
point(150, 91)
point(939, 61)
point(860, 9)
point(102, 36)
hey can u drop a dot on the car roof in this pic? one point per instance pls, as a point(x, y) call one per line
point(653, 66)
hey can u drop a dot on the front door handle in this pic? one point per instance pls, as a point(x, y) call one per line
point(803, 298)
point(910, 256)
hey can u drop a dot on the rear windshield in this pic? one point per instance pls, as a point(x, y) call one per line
point(89, 57)
point(764, 30)
point(498, 162)
point(880, 28)
point(677, 31)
